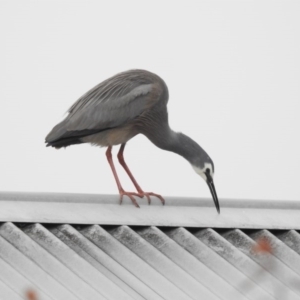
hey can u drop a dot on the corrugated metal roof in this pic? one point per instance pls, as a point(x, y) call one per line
point(91, 261)
point(123, 262)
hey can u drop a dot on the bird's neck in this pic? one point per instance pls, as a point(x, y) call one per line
point(179, 143)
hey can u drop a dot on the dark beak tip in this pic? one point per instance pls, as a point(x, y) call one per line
point(211, 186)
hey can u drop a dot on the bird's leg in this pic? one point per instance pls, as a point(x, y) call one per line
point(121, 190)
point(138, 188)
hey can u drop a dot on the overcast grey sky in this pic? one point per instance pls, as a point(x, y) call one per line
point(233, 72)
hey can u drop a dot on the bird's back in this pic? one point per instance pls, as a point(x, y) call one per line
point(113, 103)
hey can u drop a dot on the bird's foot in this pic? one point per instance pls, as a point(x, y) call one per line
point(131, 196)
point(142, 194)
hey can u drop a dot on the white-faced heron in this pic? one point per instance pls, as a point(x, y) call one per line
point(118, 109)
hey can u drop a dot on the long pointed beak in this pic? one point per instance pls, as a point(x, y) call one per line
point(211, 186)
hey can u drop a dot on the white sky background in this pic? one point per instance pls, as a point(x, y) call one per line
point(233, 72)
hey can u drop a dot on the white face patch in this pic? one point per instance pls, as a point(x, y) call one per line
point(201, 172)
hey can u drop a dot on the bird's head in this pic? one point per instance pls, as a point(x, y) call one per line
point(206, 171)
point(186, 147)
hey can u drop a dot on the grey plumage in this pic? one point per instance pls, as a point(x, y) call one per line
point(121, 107)
point(112, 103)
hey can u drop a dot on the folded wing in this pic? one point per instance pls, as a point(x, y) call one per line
point(112, 103)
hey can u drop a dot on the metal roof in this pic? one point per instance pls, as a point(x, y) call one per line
point(187, 212)
point(130, 261)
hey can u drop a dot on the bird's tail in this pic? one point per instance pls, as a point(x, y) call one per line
point(60, 137)
point(57, 132)
point(64, 142)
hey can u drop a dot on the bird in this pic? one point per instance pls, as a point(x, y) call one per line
point(119, 108)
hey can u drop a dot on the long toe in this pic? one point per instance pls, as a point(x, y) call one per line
point(149, 194)
point(157, 196)
point(131, 195)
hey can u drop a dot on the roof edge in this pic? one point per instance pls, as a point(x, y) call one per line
point(105, 210)
point(170, 201)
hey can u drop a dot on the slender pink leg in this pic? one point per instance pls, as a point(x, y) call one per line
point(138, 188)
point(121, 190)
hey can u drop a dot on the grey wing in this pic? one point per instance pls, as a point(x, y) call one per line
point(110, 104)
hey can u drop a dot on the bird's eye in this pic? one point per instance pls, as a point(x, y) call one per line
point(207, 171)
